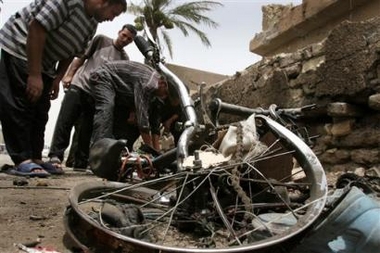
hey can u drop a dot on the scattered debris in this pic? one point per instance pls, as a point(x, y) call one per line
point(36, 217)
point(20, 181)
point(32, 243)
point(37, 249)
point(42, 183)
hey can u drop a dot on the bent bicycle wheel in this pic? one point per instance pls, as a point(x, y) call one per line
point(247, 206)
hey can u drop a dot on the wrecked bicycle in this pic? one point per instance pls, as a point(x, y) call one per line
point(250, 186)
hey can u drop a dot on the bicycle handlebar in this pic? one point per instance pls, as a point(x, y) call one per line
point(148, 49)
point(217, 106)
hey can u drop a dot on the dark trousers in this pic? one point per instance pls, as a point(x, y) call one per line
point(23, 122)
point(74, 146)
point(77, 106)
point(122, 130)
point(111, 118)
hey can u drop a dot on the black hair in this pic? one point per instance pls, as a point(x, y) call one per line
point(121, 2)
point(131, 28)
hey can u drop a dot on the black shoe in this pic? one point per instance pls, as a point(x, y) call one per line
point(80, 166)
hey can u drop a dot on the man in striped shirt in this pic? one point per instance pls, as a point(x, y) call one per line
point(37, 45)
point(123, 91)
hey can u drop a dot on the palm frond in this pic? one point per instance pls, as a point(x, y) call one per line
point(185, 27)
point(192, 12)
point(168, 42)
point(161, 15)
point(135, 9)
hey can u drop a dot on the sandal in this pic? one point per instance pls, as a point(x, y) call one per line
point(29, 169)
point(54, 169)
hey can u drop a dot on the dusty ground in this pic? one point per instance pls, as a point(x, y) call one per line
point(36, 211)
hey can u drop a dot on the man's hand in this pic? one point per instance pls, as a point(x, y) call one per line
point(54, 91)
point(66, 81)
point(34, 88)
point(132, 120)
point(168, 123)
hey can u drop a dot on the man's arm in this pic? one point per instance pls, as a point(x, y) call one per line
point(79, 61)
point(62, 67)
point(74, 66)
point(156, 141)
point(35, 46)
point(155, 116)
point(147, 138)
point(169, 122)
point(151, 140)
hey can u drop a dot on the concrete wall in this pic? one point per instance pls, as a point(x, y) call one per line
point(289, 28)
point(340, 75)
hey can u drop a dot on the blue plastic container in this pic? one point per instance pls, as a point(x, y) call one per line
point(352, 227)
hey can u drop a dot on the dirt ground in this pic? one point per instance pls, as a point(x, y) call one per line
point(35, 211)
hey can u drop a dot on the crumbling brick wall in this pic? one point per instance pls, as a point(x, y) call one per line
point(341, 75)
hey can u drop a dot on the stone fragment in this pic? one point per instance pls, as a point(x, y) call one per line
point(365, 156)
point(342, 128)
point(374, 102)
point(313, 64)
point(341, 109)
point(360, 171)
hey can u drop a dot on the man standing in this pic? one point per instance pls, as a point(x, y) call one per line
point(38, 44)
point(78, 103)
point(123, 91)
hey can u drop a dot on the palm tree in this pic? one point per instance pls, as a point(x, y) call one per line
point(162, 15)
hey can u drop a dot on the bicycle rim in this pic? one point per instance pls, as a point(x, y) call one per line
point(202, 211)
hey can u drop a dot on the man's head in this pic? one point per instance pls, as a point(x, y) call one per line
point(125, 36)
point(162, 90)
point(105, 10)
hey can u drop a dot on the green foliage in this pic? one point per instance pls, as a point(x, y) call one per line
point(139, 26)
point(163, 15)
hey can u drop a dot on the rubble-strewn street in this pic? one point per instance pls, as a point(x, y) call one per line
point(35, 211)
